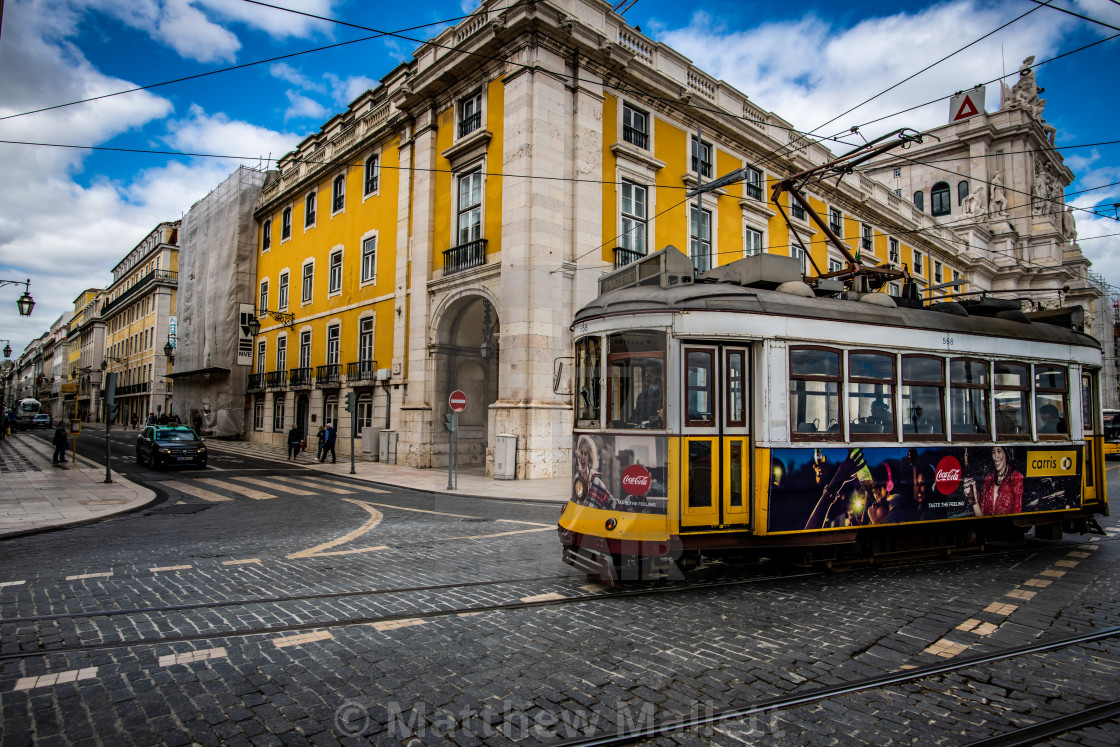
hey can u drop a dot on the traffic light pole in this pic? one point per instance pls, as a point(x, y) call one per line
point(352, 408)
point(108, 450)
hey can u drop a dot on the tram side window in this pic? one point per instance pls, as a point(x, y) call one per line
point(968, 398)
point(736, 388)
point(814, 392)
point(635, 381)
point(1051, 393)
point(1013, 400)
point(588, 381)
point(870, 394)
point(923, 386)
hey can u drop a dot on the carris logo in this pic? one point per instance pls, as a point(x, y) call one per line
point(948, 475)
point(636, 480)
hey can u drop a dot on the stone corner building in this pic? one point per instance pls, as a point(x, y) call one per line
point(440, 233)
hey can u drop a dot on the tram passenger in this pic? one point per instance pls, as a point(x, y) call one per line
point(1002, 491)
point(1052, 421)
point(881, 415)
point(588, 488)
point(649, 411)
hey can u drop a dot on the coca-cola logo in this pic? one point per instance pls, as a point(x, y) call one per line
point(636, 480)
point(948, 475)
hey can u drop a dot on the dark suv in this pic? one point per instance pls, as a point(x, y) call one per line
point(169, 445)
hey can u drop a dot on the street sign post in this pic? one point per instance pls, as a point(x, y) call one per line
point(457, 401)
point(109, 394)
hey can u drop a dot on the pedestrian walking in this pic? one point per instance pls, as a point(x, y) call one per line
point(328, 443)
point(196, 423)
point(321, 438)
point(60, 443)
point(295, 442)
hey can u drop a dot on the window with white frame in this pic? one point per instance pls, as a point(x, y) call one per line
point(330, 410)
point(373, 170)
point(700, 238)
point(261, 350)
point(898, 173)
point(305, 349)
point(334, 274)
point(835, 265)
point(286, 224)
point(264, 297)
point(469, 223)
point(836, 221)
point(470, 113)
point(338, 193)
point(282, 291)
point(797, 253)
point(937, 271)
point(365, 340)
point(701, 157)
point(266, 235)
point(369, 259)
point(918, 269)
point(865, 240)
point(893, 253)
point(795, 209)
point(308, 282)
point(309, 210)
point(365, 412)
point(278, 413)
point(632, 206)
point(635, 126)
point(333, 338)
point(752, 183)
point(753, 242)
point(281, 352)
point(258, 414)
point(895, 290)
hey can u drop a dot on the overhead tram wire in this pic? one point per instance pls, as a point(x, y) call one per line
point(1075, 15)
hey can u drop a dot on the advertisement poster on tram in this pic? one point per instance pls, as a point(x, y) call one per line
point(825, 488)
point(621, 473)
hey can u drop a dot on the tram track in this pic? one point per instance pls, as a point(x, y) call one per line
point(1028, 735)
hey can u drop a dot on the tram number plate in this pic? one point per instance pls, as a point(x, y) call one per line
point(947, 341)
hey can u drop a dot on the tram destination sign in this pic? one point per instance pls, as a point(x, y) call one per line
point(457, 401)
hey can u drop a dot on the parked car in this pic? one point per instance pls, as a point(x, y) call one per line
point(170, 445)
point(42, 420)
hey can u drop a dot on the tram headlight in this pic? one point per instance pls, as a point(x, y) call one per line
point(611, 524)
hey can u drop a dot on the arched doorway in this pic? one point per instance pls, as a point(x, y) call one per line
point(466, 358)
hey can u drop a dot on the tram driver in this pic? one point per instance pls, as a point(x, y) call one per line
point(649, 410)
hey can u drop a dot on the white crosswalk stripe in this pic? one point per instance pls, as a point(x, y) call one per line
point(317, 485)
point(202, 493)
point(257, 495)
point(290, 490)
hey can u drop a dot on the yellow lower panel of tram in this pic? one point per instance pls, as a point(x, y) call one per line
point(714, 481)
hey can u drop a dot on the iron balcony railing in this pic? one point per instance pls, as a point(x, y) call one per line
point(623, 257)
point(634, 136)
point(754, 191)
point(128, 389)
point(797, 211)
point(703, 168)
point(467, 125)
point(300, 377)
point(328, 376)
point(256, 381)
point(464, 256)
point(166, 277)
point(361, 371)
point(275, 379)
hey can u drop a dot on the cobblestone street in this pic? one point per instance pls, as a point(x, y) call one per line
point(260, 605)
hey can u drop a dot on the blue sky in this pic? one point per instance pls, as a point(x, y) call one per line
point(69, 214)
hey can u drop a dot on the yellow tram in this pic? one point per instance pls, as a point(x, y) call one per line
point(739, 412)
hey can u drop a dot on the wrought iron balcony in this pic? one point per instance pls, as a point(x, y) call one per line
point(256, 382)
point(300, 378)
point(703, 168)
point(797, 211)
point(165, 277)
point(361, 371)
point(328, 376)
point(634, 136)
point(464, 256)
point(467, 125)
point(275, 379)
point(623, 257)
point(753, 191)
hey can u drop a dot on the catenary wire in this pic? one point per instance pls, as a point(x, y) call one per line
point(1075, 15)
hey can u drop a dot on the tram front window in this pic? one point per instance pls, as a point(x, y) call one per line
point(636, 380)
point(588, 381)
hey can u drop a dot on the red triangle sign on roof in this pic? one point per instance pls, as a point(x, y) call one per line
point(967, 109)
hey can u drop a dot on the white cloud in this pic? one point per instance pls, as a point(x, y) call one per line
point(810, 70)
point(286, 72)
point(347, 89)
point(301, 107)
point(203, 133)
point(278, 23)
point(189, 32)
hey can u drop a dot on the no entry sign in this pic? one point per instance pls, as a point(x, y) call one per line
point(457, 401)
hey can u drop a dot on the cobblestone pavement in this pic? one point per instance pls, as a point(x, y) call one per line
point(545, 671)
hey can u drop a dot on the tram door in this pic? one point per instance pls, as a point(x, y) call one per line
point(715, 446)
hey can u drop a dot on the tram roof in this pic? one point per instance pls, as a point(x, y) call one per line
point(723, 297)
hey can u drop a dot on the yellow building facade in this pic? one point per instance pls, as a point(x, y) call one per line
point(139, 318)
point(505, 186)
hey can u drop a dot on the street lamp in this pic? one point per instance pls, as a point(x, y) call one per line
point(7, 349)
point(25, 303)
point(169, 349)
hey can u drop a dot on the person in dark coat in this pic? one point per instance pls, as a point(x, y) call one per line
point(329, 438)
point(295, 438)
point(60, 444)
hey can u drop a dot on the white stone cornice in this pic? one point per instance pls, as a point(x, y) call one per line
point(638, 155)
point(466, 148)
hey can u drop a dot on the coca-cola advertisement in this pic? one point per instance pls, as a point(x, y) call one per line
point(814, 489)
point(621, 473)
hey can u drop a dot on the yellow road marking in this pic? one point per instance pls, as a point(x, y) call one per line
point(498, 534)
point(459, 516)
point(394, 624)
point(89, 575)
point(543, 597)
point(188, 657)
point(241, 562)
point(375, 519)
point(257, 495)
point(202, 493)
point(171, 568)
point(295, 640)
point(274, 485)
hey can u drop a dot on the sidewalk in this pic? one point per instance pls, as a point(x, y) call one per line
point(36, 496)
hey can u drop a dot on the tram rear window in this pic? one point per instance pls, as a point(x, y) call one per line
point(635, 380)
